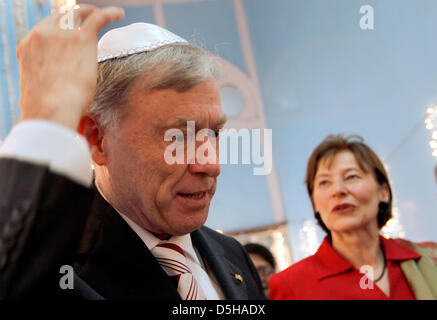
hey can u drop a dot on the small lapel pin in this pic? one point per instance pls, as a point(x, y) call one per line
point(238, 277)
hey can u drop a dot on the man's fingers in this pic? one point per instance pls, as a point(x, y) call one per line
point(94, 19)
point(54, 18)
point(84, 11)
point(99, 18)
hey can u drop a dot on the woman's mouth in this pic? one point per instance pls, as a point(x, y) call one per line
point(344, 208)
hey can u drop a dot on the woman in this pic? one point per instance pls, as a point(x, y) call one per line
point(352, 200)
point(264, 263)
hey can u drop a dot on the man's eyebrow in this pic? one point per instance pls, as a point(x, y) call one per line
point(182, 122)
point(177, 123)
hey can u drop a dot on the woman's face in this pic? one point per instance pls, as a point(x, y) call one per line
point(346, 197)
point(264, 269)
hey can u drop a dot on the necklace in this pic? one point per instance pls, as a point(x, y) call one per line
point(383, 270)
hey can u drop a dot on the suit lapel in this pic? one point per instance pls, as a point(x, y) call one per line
point(227, 274)
point(116, 262)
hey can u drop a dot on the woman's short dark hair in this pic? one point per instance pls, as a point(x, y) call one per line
point(263, 252)
point(367, 160)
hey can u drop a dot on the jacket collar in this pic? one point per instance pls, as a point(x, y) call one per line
point(106, 263)
point(224, 270)
point(151, 241)
point(396, 251)
point(332, 263)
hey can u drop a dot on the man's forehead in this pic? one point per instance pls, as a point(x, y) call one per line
point(170, 107)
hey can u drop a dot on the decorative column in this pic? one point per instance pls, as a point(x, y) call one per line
point(17, 17)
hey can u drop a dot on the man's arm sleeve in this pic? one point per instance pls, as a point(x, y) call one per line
point(44, 202)
point(47, 143)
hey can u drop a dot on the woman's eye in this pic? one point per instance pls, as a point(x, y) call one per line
point(323, 183)
point(352, 176)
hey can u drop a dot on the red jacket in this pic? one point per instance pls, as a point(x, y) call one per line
point(327, 275)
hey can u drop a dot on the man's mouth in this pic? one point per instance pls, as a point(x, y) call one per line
point(196, 195)
point(193, 200)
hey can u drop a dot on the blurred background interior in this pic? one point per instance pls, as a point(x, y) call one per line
point(305, 69)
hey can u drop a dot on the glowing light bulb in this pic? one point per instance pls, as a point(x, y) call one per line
point(433, 144)
point(430, 110)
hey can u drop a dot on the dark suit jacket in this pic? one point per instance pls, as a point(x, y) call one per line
point(47, 221)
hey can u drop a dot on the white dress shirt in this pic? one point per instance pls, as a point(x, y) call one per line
point(208, 284)
point(67, 153)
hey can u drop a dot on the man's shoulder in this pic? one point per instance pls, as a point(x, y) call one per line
point(219, 237)
point(219, 243)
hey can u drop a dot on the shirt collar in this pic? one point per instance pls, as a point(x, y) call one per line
point(151, 241)
point(332, 263)
point(396, 251)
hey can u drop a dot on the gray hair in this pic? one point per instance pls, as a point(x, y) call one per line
point(176, 66)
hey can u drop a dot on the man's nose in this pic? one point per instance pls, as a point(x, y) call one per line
point(210, 169)
point(207, 160)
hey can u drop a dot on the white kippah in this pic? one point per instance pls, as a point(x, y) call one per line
point(134, 38)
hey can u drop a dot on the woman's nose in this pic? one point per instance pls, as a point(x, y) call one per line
point(339, 188)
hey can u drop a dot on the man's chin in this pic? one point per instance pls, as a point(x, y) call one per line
point(189, 224)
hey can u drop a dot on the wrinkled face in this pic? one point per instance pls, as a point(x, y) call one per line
point(162, 198)
point(346, 197)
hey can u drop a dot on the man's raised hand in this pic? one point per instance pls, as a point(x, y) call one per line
point(58, 67)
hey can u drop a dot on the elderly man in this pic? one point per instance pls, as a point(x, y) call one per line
point(136, 230)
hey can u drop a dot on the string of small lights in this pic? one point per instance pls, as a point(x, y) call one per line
point(431, 115)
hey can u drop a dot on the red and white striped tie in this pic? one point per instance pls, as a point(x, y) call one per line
point(172, 259)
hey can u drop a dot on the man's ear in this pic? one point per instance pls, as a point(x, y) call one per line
point(90, 128)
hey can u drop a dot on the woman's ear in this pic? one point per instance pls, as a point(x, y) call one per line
point(90, 128)
point(384, 193)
